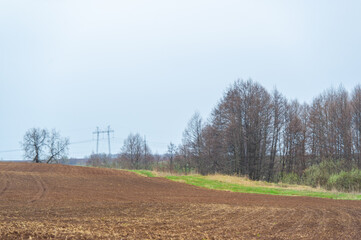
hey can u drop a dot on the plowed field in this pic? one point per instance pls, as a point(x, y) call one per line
point(40, 201)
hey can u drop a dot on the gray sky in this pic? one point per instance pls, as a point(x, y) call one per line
point(147, 66)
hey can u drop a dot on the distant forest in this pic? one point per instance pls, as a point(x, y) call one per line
point(262, 135)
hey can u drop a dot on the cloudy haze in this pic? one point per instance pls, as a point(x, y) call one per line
point(147, 66)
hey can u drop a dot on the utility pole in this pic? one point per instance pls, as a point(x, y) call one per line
point(145, 149)
point(97, 133)
point(108, 131)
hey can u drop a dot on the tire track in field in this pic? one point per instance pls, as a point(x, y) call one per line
point(68, 200)
point(350, 223)
point(286, 220)
point(6, 185)
point(42, 189)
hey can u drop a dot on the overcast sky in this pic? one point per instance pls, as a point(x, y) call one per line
point(147, 66)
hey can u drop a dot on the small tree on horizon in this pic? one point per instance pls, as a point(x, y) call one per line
point(172, 151)
point(40, 145)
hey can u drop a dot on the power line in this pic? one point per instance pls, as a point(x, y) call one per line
point(84, 141)
point(13, 150)
point(108, 131)
point(20, 149)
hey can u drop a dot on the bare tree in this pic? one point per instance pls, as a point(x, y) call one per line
point(98, 160)
point(34, 143)
point(148, 157)
point(317, 126)
point(172, 151)
point(57, 147)
point(278, 109)
point(294, 138)
point(330, 126)
point(247, 115)
point(42, 146)
point(356, 123)
point(183, 158)
point(192, 139)
point(135, 152)
point(213, 149)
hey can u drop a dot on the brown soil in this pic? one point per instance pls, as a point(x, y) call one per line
point(40, 201)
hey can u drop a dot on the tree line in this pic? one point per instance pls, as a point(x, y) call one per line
point(250, 132)
point(263, 135)
point(134, 154)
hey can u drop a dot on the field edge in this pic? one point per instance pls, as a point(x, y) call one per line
point(205, 182)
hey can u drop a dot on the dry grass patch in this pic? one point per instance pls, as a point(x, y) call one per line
point(244, 181)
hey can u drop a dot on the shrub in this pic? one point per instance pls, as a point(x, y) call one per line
point(318, 175)
point(291, 178)
point(346, 181)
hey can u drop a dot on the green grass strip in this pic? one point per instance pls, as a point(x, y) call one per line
point(146, 173)
point(201, 181)
point(218, 185)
